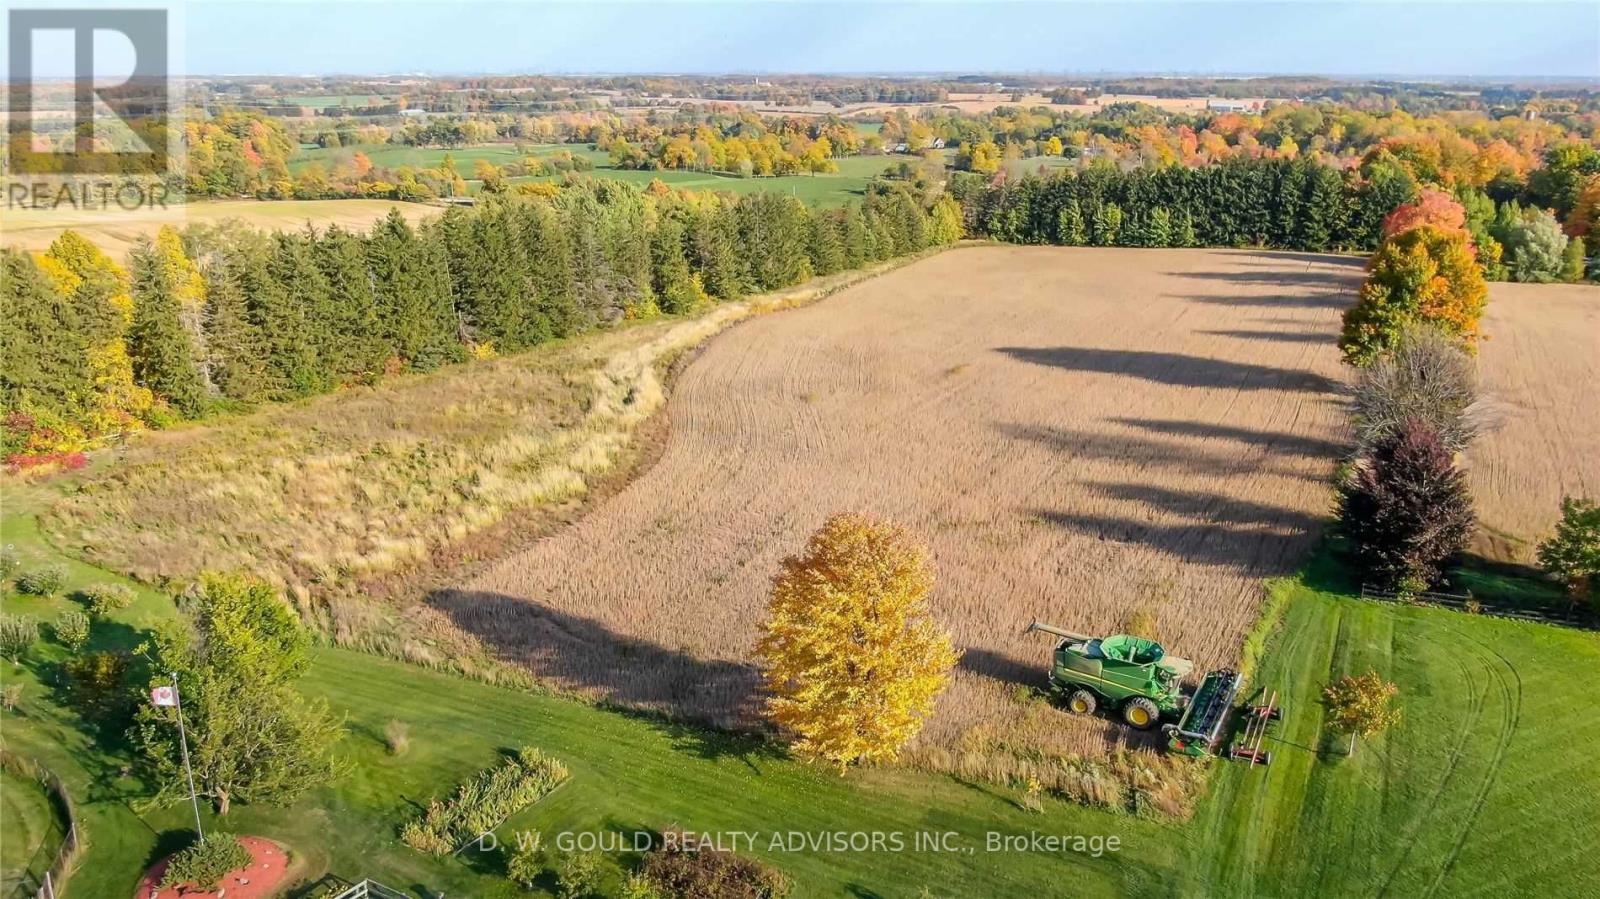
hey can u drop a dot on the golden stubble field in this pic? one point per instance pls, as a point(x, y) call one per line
point(1079, 434)
point(117, 231)
point(1540, 371)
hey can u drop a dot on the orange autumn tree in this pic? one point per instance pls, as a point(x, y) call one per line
point(852, 658)
point(1424, 274)
point(1431, 207)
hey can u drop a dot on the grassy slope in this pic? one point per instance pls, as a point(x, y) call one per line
point(629, 772)
point(28, 821)
point(1484, 759)
point(1469, 796)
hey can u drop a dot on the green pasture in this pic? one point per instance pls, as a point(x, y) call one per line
point(834, 189)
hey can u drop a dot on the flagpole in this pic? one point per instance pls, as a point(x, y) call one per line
point(183, 740)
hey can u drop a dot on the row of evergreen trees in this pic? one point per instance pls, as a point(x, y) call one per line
point(232, 315)
point(1286, 204)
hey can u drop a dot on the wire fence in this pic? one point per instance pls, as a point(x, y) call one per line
point(46, 873)
point(1466, 602)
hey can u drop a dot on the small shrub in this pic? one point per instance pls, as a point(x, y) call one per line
point(680, 871)
point(46, 581)
point(397, 737)
point(10, 562)
point(638, 886)
point(1573, 552)
point(17, 635)
point(72, 629)
point(96, 683)
point(204, 864)
point(578, 875)
point(10, 695)
point(525, 865)
point(1033, 796)
point(1361, 706)
point(103, 599)
point(1472, 606)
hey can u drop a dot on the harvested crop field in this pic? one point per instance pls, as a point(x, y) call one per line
point(1079, 434)
point(1541, 371)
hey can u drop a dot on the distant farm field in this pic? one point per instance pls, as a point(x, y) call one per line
point(1541, 372)
point(117, 231)
point(1079, 434)
point(835, 189)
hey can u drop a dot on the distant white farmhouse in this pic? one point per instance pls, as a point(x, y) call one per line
point(1214, 105)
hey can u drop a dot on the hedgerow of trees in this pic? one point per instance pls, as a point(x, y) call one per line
point(220, 317)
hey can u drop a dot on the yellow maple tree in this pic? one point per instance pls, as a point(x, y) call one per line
point(853, 661)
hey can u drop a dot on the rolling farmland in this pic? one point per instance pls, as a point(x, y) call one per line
point(1078, 437)
point(116, 232)
point(1540, 367)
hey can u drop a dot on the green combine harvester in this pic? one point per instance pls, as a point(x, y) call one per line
point(1136, 678)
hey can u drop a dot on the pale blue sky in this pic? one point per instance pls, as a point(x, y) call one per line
point(1412, 39)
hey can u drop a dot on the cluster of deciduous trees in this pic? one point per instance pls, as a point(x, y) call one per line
point(231, 315)
point(744, 144)
point(1404, 506)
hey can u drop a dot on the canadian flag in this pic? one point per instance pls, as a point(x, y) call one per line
point(164, 696)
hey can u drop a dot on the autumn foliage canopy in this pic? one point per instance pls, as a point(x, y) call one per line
point(1423, 274)
point(853, 660)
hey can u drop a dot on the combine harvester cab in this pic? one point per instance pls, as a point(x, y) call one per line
point(1130, 674)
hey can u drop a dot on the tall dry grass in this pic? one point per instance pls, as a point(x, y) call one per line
point(341, 493)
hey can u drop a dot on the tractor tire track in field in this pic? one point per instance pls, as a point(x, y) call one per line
point(1511, 688)
point(1469, 723)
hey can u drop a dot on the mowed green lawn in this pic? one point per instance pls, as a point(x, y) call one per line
point(1490, 786)
point(29, 830)
point(1479, 792)
point(834, 189)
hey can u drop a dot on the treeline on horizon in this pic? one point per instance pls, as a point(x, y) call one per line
point(229, 317)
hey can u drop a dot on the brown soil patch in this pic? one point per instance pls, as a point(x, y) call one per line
point(1077, 433)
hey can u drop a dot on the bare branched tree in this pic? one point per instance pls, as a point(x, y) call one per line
point(1428, 378)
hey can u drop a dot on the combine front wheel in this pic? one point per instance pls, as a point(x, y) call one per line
point(1082, 702)
point(1140, 713)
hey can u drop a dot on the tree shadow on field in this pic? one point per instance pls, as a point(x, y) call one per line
point(1112, 447)
point(1269, 257)
point(1253, 538)
point(1175, 369)
point(1328, 300)
point(1276, 441)
point(1277, 336)
point(1003, 668)
point(1276, 276)
point(585, 655)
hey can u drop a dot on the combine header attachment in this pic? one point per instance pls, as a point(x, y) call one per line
point(1212, 726)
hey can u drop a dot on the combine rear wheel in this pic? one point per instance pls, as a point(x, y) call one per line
point(1141, 713)
point(1082, 702)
